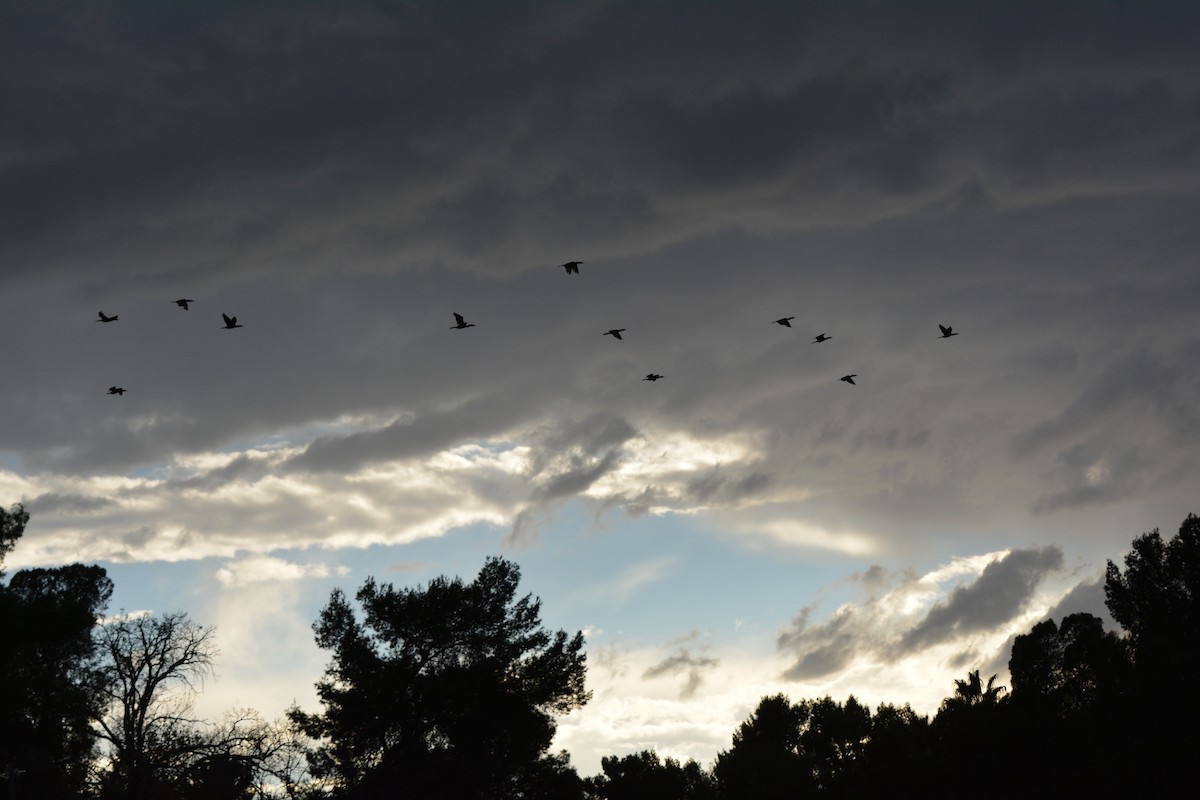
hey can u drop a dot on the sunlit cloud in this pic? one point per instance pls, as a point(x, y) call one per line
point(262, 569)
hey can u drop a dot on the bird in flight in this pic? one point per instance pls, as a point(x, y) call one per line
point(462, 323)
point(821, 338)
point(651, 377)
point(849, 379)
point(183, 303)
point(615, 333)
point(571, 266)
point(116, 390)
point(784, 322)
point(230, 322)
point(947, 332)
point(103, 318)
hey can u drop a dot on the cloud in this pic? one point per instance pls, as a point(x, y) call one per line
point(263, 569)
point(827, 648)
point(909, 614)
point(686, 662)
point(1003, 589)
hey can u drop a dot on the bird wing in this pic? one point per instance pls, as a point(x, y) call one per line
point(945, 330)
point(458, 318)
point(616, 334)
point(228, 319)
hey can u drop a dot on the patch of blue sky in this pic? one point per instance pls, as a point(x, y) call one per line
point(654, 577)
point(159, 586)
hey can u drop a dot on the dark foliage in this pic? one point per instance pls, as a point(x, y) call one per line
point(446, 691)
point(643, 776)
point(1157, 601)
point(1091, 713)
point(49, 671)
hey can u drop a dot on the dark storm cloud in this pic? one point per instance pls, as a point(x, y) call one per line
point(1002, 591)
point(342, 177)
point(52, 503)
point(875, 628)
point(826, 648)
point(1114, 439)
point(469, 126)
point(410, 437)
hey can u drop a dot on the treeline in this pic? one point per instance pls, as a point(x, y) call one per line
point(451, 691)
point(1090, 713)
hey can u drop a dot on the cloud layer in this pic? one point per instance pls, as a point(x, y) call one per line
point(344, 177)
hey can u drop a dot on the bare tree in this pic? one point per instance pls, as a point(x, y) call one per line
point(154, 666)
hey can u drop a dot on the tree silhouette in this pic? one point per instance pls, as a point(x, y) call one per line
point(1068, 670)
point(970, 732)
point(12, 526)
point(833, 742)
point(1068, 705)
point(971, 692)
point(765, 760)
point(153, 665)
point(1157, 601)
point(643, 776)
point(48, 670)
point(898, 753)
point(446, 690)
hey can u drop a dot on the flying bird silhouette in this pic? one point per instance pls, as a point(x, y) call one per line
point(116, 390)
point(103, 318)
point(849, 379)
point(947, 332)
point(571, 266)
point(651, 377)
point(462, 323)
point(230, 322)
point(784, 322)
point(183, 303)
point(821, 338)
point(615, 333)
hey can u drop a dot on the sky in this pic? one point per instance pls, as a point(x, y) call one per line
point(344, 177)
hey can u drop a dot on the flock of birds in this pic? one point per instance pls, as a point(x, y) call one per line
point(572, 268)
point(230, 323)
